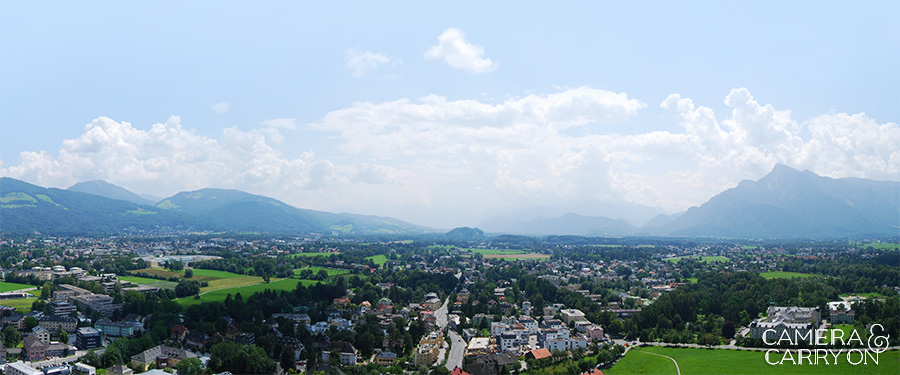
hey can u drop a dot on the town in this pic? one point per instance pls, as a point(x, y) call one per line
point(207, 304)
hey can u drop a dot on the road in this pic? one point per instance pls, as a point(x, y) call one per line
point(455, 357)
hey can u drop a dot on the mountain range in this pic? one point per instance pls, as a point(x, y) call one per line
point(786, 203)
point(27, 208)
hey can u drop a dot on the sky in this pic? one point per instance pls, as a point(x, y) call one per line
point(446, 114)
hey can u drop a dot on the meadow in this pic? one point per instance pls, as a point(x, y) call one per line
point(377, 259)
point(785, 275)
point(721, 361)
point(315, 270)
point(245, 291)
point(7, 287)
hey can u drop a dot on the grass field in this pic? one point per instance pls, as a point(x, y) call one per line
point(496, 251)
point(245, 291)
point(378, 259)
point(139, 280)
point(6, 287)
point(879, 245)
point(21, 304)
point(310, 254)
point(199, 274)
point(719, 361)
point(785, 275)
point(707, 259)
point(315, 270)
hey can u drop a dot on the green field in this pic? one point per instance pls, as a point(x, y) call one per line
point(785, 275)
point(7, 287)
point(139, 280)
point(378, 259)
point(199, 274)
point(719, 361)
point(879, 245)
point(245, 291)
point(21, 304)
point(496, 251)
point(315, 270)
point(706, 259)
point(310, 254)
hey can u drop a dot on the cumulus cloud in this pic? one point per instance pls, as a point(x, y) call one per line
point(439, 162)
point(220, 108)
point(367, 62)
point(167, 158)
point(459, 53)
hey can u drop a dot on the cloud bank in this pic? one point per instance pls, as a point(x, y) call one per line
point(442, 162)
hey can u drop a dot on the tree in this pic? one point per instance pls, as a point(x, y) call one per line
point(190, 366)
point(728, 329)
point(63, 336)
point(45, 290)
point(11, 337)
point(188, 273)
point(30, 323)
point(287, 358)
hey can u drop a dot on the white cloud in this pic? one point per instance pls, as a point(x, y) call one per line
point(367, 62)
point(436, 161)
point(220, 108)
point(284, 123)
point(459, 53)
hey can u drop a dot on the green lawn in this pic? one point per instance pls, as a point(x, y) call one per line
point(6, 287)
point(245, 291)
point(879, 245)
point(706, 259)
point(21, 304)
point(719, 361)
point(310, 254)
point(378, 259)
point(785, 275)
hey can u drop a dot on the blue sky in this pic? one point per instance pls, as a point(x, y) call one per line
point(446, 114)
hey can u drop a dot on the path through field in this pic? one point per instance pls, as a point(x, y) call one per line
point(664, 356)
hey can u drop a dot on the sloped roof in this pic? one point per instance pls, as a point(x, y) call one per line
point(541, 353)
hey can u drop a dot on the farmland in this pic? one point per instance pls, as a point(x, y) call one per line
point(720, 361)
point(785, 275)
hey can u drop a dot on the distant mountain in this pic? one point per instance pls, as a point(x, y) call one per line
point(568, 224)
point(660, 221)
point(106, 189)
point(465, 234)
point(633, 213)
point(788, 203)
point(27, 208)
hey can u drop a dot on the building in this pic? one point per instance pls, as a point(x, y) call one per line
point(841, 313)
point(15, 320)
point(114, 329)
point(348, 354)
point(88, 338)
point(425, 355)
point(57, 370)
point(61, 308)
point(35, 349)
point(572, 315)
point(56, 323)
point(20, 368)
point(491, 364)
point(95, 302)
point(538, 354)
point(41, 333)
point(386, 358)
point(83, 369)
point(478, 345)
point(119, 369)
point(795, 322)
point(594, 332)
point(458, 371)
point(161, 355)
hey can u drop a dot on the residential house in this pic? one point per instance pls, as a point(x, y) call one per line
point(348, 354)
point(178, 332)
point(15, 320)
point(386, 358)
point(41, 333)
